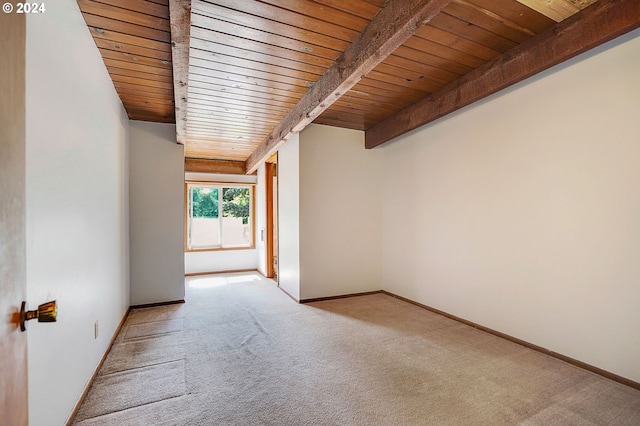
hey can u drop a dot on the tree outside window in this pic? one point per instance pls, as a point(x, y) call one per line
point(207, 229)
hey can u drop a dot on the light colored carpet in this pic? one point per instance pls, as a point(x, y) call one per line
point(240, 352)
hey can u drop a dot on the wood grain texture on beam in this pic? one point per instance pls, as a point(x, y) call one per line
point(180, 18)
point(557, 10)
point(393, 25)
point(226, 167)
point(593, 26)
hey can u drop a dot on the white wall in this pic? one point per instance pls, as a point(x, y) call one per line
point(77, 208)
point(156, 194)
point(289, 217)
point(341, 202)
point(204, 262)
point(521, 213)
point(197, 262)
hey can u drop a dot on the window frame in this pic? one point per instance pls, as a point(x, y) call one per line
point(220, 185)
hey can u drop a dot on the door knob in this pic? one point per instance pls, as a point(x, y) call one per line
point(47, 312)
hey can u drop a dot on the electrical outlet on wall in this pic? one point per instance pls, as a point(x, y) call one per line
point(95, 330)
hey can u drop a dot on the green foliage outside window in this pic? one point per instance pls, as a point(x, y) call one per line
point(204, 202)
point(235, 203)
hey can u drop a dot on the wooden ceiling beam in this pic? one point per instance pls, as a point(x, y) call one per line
point(393, 25)
point(197, 165)
point(557, 10)
point(180, 19)
point(591, 27)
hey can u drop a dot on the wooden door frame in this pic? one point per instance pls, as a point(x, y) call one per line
point(13, 343)
point(270, 170)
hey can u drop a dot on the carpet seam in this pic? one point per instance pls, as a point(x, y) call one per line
point(136, 406)
point(148, 322)
point(144, 366)
point(149, 336)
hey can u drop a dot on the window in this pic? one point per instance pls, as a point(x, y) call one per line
point(219, 216)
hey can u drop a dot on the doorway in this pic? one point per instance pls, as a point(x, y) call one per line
point(271, 178)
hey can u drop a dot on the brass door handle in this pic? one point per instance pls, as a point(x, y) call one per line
point(47, 312)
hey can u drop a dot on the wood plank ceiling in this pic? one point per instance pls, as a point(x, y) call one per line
point(249, 64)
point(135, 42)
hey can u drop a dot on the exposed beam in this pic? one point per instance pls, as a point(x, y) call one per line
point(396, 22)
point(180, 19)
point(593, 26)
point(226, 167)
point(557, 10)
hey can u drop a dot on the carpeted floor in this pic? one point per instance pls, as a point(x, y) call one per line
point(240, 352)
